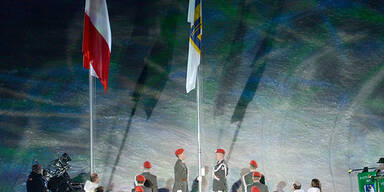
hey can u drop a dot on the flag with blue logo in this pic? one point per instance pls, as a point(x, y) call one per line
point(369, 188)
point(195, 19)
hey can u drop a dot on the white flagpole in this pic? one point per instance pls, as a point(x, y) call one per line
point(91, 116)
point(198, 110)
point(198, 127)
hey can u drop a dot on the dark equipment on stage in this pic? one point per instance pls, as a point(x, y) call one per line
point(58, 178)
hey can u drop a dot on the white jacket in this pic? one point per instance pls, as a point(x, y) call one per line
point(298, 190)
point(90, 187)
point(313, 189)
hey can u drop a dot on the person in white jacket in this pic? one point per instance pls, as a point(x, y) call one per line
point(92, 184)
point(296, 187)
point(315, 186)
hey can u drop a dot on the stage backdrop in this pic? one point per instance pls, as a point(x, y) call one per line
point(296, 85)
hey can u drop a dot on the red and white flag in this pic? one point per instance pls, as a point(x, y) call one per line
point(97, 40)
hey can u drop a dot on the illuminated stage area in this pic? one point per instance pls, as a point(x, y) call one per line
point(296, 85)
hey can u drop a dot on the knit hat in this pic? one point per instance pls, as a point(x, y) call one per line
point(220, 151)
point(179, 152)
point(253, 163)
point(139, 189)
point(256, 174)
point(147, 165)
point(140, 178)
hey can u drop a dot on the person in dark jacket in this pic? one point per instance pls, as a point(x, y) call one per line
point(144, 183)
point(35, 181)
point(167, 187)
point(220, 172)
point(256, 176)
point(247, 178)
point(195, 184)
point(149, 176)
point(181, 172)
point(236, 187)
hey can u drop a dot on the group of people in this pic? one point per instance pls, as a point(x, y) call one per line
point(250, 179)
point(315, 186)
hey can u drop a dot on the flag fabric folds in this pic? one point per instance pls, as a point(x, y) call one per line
point(97, 40)
point(194, 43)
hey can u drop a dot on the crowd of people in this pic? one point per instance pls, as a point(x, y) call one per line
point(250, 179)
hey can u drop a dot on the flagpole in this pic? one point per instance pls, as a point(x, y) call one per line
point(198, 110)
point(198, 127)
point(91, 116)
